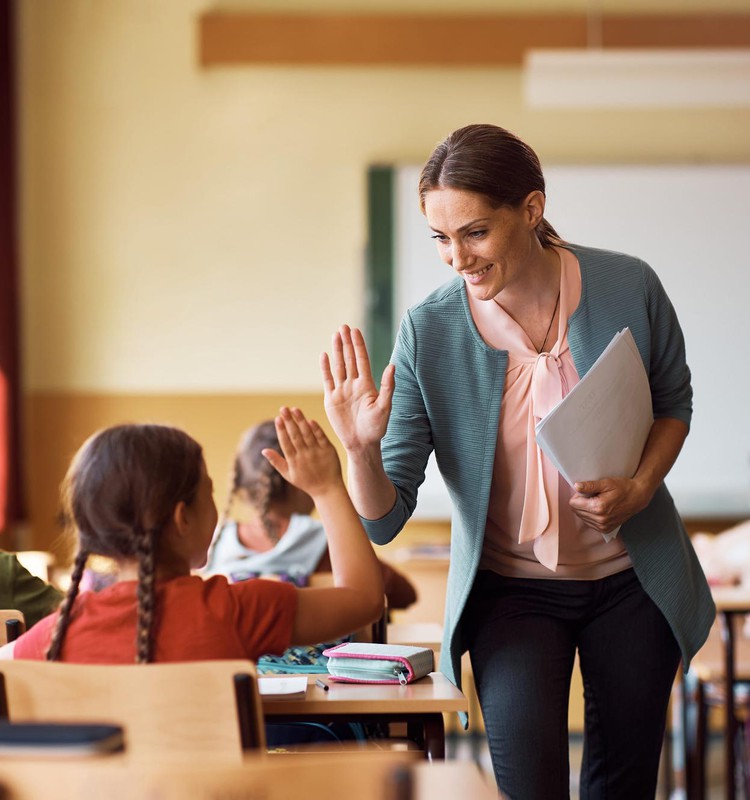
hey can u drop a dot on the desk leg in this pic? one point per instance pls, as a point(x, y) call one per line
point(433, 734)
point(727, 634)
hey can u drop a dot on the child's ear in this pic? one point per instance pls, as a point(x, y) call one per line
point(181, 517)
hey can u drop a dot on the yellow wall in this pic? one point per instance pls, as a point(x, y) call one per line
point(191, 238)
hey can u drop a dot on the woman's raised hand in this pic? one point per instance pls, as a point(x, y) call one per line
point(309, 460)
point(356, 409)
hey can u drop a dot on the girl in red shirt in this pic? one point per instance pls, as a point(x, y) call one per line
point(140, 494)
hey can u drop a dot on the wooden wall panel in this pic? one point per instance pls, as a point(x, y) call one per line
point(325, 39)
point(687, 30)
point(469, 40)
point(56, 424)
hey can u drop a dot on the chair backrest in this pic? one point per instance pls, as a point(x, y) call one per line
point(333, 775)
point(12, 624)
point(201, 708)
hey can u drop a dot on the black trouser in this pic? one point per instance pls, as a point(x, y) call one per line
point(523, 634)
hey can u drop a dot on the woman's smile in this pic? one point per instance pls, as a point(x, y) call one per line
point(477, 275)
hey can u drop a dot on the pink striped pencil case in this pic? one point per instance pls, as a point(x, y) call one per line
point(369, 662)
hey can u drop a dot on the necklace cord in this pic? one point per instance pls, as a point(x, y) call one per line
point(549, 327)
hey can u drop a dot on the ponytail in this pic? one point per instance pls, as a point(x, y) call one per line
point(547, 235)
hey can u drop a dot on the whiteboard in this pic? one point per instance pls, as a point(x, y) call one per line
point(692, 225)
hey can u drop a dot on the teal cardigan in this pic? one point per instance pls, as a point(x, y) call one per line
point(449, 386)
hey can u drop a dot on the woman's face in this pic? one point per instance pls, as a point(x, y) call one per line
point(488, 247)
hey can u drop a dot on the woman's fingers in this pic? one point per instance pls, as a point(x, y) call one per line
point(360, 352)
point(604, 504)
point(387, 385)
point(338, 367)
point(325, 368)
point(350, 359)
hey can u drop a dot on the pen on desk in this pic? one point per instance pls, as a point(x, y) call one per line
point(322, 684)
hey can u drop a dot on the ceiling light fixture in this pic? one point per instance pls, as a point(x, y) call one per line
point(597, 77)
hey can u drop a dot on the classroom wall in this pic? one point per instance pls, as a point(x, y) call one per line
point(191, 238)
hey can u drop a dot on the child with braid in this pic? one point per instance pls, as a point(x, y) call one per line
point(278, 535)
point(140, 494)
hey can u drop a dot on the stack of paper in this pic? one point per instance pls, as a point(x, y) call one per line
point(279, 688)
point(598, 430)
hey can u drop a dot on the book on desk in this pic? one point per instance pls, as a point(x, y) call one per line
point(59, 739)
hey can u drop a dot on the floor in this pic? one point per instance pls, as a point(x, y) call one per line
point(474, 747)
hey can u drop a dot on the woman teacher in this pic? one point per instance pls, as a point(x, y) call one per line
point(532, 580)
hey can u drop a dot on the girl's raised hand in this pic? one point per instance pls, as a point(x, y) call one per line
point(309, 460)
point(356, 409)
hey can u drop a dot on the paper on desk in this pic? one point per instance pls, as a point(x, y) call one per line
point(288, 686)
point(598, 430)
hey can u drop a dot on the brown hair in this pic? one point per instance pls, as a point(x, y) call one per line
point(490, 161)
point(253, 473)
point(119, 494)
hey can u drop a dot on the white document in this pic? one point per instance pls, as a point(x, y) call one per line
point(288, 686)
point(598, 430)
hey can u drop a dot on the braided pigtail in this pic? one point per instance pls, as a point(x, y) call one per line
point(271, 488)
point(146, 595)
point(66, 607)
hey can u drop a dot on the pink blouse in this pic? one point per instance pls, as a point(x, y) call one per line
point(531, 530)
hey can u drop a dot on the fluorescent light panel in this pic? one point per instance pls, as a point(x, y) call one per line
point(633, 78)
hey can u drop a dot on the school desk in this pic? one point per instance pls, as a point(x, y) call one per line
point(420, 705)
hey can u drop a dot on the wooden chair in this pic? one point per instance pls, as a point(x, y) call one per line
point(706, 689)
point(200, 708)
point(12, 624)
point(371, 775)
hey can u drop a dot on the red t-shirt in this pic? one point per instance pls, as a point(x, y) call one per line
point(196, 619)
